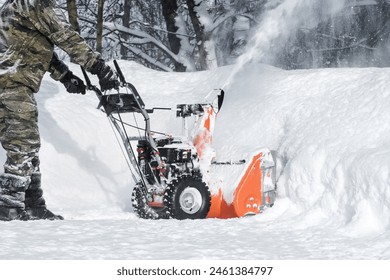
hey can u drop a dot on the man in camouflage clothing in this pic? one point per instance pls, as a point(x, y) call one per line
point(29, 30)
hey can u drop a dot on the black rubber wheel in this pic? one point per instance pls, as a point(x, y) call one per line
point(188, 197)
point(142, 209)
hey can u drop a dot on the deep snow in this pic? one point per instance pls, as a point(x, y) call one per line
point(330, 128)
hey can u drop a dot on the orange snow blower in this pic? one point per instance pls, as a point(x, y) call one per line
point(177, 176)
point(254, 183)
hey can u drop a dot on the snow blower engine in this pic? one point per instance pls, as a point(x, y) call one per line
point(168, 171)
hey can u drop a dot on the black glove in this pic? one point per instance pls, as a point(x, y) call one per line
point(72, 83)
point(107, 78)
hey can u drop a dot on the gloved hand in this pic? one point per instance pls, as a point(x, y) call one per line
point(72, 83)
point(107, 78)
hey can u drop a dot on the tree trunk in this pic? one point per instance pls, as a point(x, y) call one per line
point(72, 12)
point(169, 10)
point(199, 34)
point(99, 27)
point(125, 23)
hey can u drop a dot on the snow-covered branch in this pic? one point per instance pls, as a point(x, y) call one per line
point(143, 38)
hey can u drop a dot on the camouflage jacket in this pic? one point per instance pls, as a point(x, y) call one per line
point(29, 30)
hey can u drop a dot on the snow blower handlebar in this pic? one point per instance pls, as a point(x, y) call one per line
point(90, 86)
point(129, 102)
point(120, 74)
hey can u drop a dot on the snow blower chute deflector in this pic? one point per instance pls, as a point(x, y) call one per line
point(171, 173)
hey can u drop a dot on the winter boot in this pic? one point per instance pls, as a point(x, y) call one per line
point(12, 193)
point(35, 203)
point(9, 214)
point(41, 213)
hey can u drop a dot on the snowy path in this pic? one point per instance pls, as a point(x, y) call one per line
point(132, 238)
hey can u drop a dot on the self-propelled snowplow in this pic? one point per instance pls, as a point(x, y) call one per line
point(175, 176)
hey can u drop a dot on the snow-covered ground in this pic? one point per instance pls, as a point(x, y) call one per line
point(331, 129)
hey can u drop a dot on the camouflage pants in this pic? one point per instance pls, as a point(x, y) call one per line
point(19, 137)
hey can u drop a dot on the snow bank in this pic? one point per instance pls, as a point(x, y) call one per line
point(331, 131)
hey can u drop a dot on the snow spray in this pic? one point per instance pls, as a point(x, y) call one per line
point(282, 19)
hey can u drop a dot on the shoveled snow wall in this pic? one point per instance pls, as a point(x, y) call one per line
point(331, 131)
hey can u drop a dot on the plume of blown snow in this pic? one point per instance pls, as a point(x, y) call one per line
point(283, 19)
